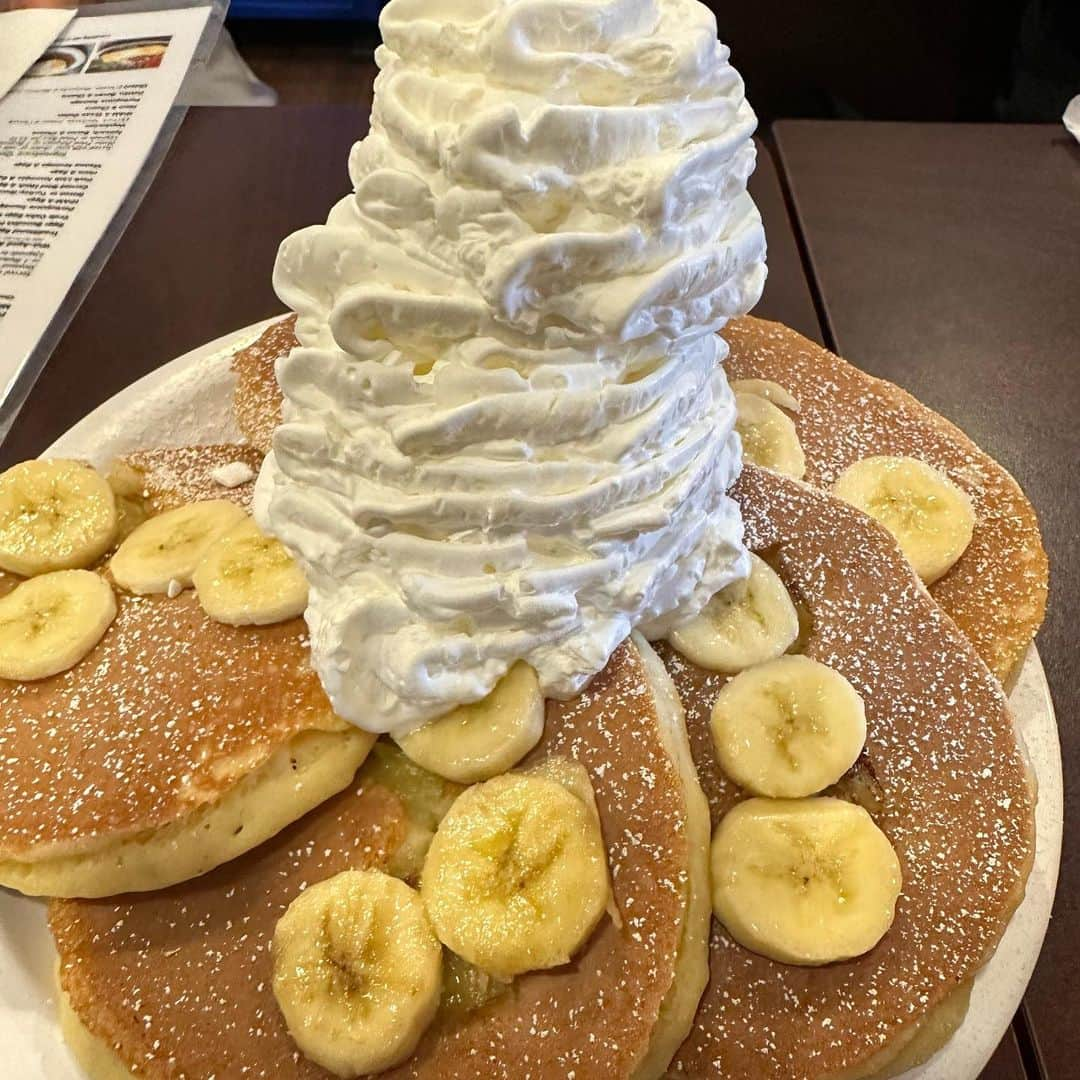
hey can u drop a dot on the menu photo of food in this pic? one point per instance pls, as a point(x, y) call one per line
point(129, 54)
point(61, 60)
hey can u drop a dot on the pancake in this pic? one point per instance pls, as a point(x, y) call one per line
point(257, 397)
point(177, 743)
point(996, 592)
point(177, 983)
point(943, 774)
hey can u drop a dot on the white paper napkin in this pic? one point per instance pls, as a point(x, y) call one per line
point(1072, 117)
point(24, 36)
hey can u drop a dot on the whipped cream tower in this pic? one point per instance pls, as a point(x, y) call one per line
point(507, 434)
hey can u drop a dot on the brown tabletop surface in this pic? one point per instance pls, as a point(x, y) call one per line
point(195, 263)
point(947, 259)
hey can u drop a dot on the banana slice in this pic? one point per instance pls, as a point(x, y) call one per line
point(169, 546)
point(516, 877)
point(54, 515)
point(788, 728)
point(129, 488)
point(479, 741)
point(930, 517)
point(768, 436)
point(248, 579)
point(769, 390)
point(804, 881)
point(747, 623)
point(357, 971)
point(49, 623)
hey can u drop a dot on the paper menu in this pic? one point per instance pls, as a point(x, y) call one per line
point(24, 35)
point(74, 135)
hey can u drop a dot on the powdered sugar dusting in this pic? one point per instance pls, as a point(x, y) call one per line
point(258, 397)
point(947, 783)
point(168, 711)
point(180, 979)
point(186, 474)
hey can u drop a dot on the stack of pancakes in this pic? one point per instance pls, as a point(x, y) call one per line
point(122, 769)
point(176, 744)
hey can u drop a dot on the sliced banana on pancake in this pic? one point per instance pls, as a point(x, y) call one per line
point(49, 623)
point(479, 741)
point(129, 488)
point(357, 971)
point(804, 881)
point(930, 517)
point(619, 1011)
point(771, 391)
point(942, 775)
point(247, 578)
point(788, 728)
point(744, 624)
point(54, 515)
point(516, 877)
point(769, 438)
point(168, 547)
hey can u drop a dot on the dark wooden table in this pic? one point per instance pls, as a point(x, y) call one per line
point(195, 263)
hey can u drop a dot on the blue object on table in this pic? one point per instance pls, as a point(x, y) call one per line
point(366, 10)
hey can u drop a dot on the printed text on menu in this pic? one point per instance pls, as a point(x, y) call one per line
point(74, 134)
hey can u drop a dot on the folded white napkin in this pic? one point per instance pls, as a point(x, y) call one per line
point(24, 36)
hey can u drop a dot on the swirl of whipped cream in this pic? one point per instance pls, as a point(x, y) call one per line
point(507, 435)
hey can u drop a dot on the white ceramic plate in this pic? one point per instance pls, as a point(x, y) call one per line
point(188, 401)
